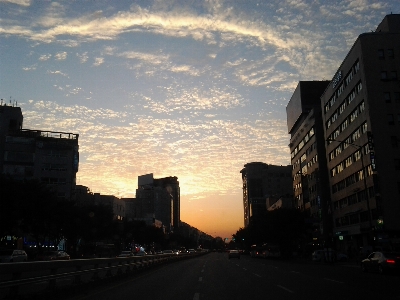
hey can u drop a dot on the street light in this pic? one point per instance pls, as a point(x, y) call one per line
point(360, 148)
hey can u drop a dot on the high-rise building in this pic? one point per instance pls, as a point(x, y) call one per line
point(307, 148)
point(159, 198)
point(262, 182)
point(361, 118)
point(51, 157)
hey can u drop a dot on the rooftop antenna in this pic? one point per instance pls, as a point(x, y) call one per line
point(1, 102)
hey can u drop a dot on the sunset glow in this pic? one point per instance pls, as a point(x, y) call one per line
point(192, 89)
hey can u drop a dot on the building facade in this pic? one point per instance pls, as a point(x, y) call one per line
point(361, 118)
point(262, 182)
point(159, 198)
point(307, 148)
point(51, 157)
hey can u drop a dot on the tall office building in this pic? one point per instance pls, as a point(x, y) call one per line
point(307, 148)
point(361, 118)
point(262, 182)
point(159, 198)
point(51, 157)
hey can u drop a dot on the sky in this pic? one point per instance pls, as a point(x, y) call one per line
point(187, 88)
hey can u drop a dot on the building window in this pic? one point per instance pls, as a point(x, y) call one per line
point(394, 141)
point(383, 75)
point(397, 164)
point(356, 66)
point(397, 97)
point(390, 53)
point(390, 119)
point(393, 75)
point(381, 54)
point(386, 96)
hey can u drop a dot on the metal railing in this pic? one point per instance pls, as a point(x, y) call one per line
point(30, 278)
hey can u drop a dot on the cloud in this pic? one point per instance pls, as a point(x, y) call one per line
point(18, 2)
point(147, 57)
point(182, 145)
point(57, 73)
point(83, 57)
point(98, 61)
point(61, 56)
point(45, 57)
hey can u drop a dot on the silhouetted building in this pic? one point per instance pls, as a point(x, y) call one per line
point(51, 157)
point(158, 197)
point(117, 204)
point(361, 116)
point(261, 181)
point(308, 159)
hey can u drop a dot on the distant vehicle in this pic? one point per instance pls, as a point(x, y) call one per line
point(381, 262)
point(191, 251)
point(54, 255)
point(256, 251)
point(327, 255)
point(175, 251)
point(341, 257)
point(168, 252)
point(234, 254)
point(125, 254)
point(10, 255)
point(270, 251)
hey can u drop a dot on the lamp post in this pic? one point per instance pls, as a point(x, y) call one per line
point(360, 148)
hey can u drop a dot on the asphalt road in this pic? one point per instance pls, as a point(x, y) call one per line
point(214, 276)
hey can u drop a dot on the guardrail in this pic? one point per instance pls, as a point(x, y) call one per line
point(30, 278)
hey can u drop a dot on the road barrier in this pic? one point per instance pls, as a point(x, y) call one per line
point(44, 277)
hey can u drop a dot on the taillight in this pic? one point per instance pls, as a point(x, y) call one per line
point(390, 261)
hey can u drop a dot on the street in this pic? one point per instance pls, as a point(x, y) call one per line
point(214, 276)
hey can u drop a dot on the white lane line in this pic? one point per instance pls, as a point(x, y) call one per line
point(202, 271)
point(282, 287)
point(245, 269)
point(200, 278)
point(237, 265)
point(295, 272)
point(196, 296)
point(257, 275)
point(333, 280)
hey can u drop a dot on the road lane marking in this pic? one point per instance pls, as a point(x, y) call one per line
point(257, 275)
point(196, 296)
point(282, 287)
point(333, 280)
point(200, 278)
point(295, 272)
point(245, 269)
point(202, 271)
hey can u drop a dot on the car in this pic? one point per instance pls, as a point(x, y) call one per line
point(341, 257)
point(234, 254)
point(381, 262)
point(191, 251)
point(327, 255)
point(54, 255)
point(10, 255)
point(125, 254)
